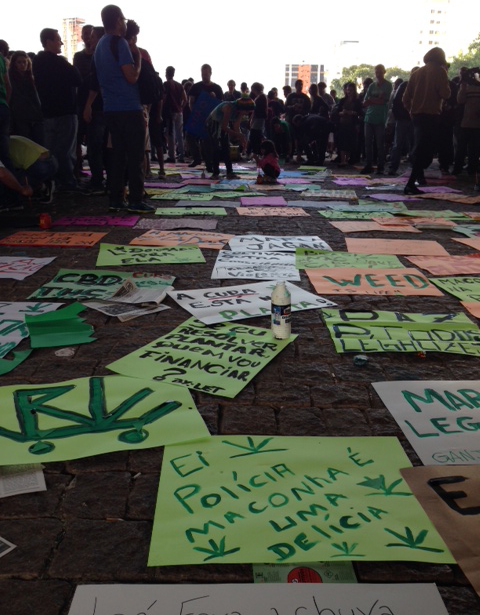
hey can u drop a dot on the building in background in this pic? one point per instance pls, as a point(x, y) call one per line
point(72, 36)
point(432, 21)
point(308, 73)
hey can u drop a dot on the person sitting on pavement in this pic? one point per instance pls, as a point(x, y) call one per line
point(268, 163)
point(34, 163)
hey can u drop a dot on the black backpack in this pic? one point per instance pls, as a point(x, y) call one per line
point(147, 81)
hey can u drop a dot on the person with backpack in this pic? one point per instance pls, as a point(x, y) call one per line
point(118, 67)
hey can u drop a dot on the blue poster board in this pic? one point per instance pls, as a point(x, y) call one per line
point(202, 108)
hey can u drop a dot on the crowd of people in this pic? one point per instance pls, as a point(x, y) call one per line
point(114, 103)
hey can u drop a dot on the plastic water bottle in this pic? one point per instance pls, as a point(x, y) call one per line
point(281, 312)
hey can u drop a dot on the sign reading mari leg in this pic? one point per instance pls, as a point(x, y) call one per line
point(94, 415)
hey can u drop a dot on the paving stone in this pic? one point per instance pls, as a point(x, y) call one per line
point(333, 395)
point(39, 504)
point(258, 420)
point(99, 463)
point(97, 495)
point(35, 597)
point(142, 499)
point(301, 421)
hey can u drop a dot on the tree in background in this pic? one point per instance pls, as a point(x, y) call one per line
point(358, 73)
point(469, 59)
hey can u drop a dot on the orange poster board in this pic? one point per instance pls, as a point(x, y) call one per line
point(395, 246)
point(46, 238)
point(446, 265)
point(473, 307)
point(473, 242)
point(287, 212)
point(358, 226)
point(448, 196)
point(353, 281)
point(413, 221)
point(215, 241)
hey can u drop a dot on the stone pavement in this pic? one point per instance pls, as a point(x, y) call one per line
point(93, 523)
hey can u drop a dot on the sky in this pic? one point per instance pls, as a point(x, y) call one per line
point(249, 43)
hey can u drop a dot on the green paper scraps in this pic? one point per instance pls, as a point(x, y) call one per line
point(448, 214)
point(90, 416)
point(8, 365)
point(90, 284)
point(261, 499)
point(60, 328)
point(352, 215)
point(111, 254)
point(372, 331)
point(191, 211)
point(367, 205)
point(220, 360)
point(466, 288)
point(307, 167)
point(310, 258)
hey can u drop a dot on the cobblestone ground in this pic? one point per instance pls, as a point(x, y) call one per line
point(93, 523)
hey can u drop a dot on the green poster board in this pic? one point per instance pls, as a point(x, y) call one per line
point(466, 288)
point(267, 499)
point(311, 258)
point(116, 255)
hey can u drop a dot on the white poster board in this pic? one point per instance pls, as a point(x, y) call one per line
point(276, 243)
point(255, 266)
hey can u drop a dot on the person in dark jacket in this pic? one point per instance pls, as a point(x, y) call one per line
point(25, 108)
point(57, 81)
point(311, 132)
point(403, 141)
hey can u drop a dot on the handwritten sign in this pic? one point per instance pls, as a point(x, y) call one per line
point(334, 195)
point(111, 254)
point(472, 242)
point(86, 284)
point(287, 212)
point(191, 211)
point(97, 221)
point(455, 198)
point(174, 195)
point(449, 214)
point(89, 416)
point(168, 225)
point(20, 267)
point(12, 321)
point(364, 226)
point(307, 258)
point(260, 599)
point(212, 204)
point(256, 266)
point(274, 201)
point(372, 331)
point(276, 243)
point(353, 281)
point(184, 356)
point(437, 417)
point(450, 497)
point(446, 265)
point(313, 507)
point(333, 214)
point(470, 230)
point(46, 238)
point(226, 303)
point(465, 288)
point(214, 241)
point(395, 246)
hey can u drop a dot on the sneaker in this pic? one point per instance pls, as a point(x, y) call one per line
point(233, 176)
point(195, 163)
point(118, 206)
point(366, 170)
point(140, 208)
point(47, 193)
point(409, 189)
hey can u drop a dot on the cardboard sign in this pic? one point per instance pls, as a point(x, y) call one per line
point(214, 241)
point(325, 599)
point(334, 195)
point(90, 416)
point(306, 258)
point(450, 497)
point(326, 487)
point(204, 105)
point(211, 204)
point(97, 221)
point(372, 331)
point(12, 321)
point(185, 356)
point(473, 308)
point(111, 254)
point(20, 267)
point(255, 266)
point(466, 288)
point(353, 281)
point(168, 225)
point(428, 213)
point(226, 303)
point(191, 211)
point(274, 201)
point(275, 243)
point(86, 284)
point(470, 230)
point(419, 222)
point(455, 198)
point(361, 226)
point(438, 417)
point(47, 238)
point(350, 215)
point(395, 246)
point(446, 265)
point(287, 212)
point(472, 242)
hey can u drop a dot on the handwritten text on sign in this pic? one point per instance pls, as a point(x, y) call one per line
point(247, 499)
point(440, 418)
point(111, 254)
